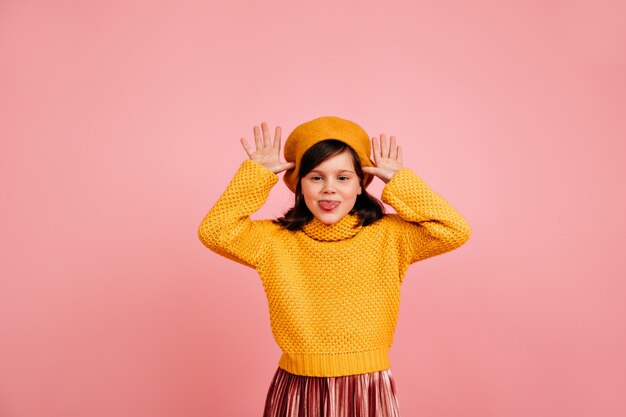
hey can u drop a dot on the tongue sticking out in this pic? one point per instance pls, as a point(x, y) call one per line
point(327, 205)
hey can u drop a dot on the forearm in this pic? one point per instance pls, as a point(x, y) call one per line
point(227, 228)
point(442, 227)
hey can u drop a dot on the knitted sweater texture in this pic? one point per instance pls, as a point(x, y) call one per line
point(333, 291)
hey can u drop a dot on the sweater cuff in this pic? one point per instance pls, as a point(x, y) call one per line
point(404, 183)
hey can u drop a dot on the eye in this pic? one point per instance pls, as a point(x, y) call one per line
point(344, 178)
point(315, 178)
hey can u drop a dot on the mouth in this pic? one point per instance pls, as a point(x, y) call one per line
point(328, 205)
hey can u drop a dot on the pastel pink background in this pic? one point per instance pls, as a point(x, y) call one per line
point(120, 125)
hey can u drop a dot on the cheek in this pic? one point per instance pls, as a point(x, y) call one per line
point(308, 193)
point(352, 191)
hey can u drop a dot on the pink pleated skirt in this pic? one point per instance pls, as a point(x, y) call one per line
point(362, 395)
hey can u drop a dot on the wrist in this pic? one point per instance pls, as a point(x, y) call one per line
point(390, 175)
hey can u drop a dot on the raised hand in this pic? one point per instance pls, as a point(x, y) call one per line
point(266, 153)
point(388, 160)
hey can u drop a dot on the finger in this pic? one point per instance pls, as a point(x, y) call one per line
point(376, 150)
point(393, 150)
point(266, 135)
point(284, 167)
point(370, 170)
point(383, 146)
point(277, 139)
point(400, 154)
point(244, 142)
point(257, 138)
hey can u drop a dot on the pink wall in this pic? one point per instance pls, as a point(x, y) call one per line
point(120, 127)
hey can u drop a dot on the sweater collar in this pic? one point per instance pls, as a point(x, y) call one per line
point(345, 228)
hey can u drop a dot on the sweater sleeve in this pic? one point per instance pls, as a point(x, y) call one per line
point(227, 228)
point(428, 224)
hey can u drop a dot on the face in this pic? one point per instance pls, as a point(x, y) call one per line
point(331, 188)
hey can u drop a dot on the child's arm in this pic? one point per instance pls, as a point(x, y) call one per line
point(431, 225)
point(426, 224)
point(227, 229)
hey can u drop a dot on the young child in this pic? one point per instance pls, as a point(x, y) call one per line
point(332, 266)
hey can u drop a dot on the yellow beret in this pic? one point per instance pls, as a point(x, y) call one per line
point(328, 127)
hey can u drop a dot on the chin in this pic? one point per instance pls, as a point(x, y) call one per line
point(329, 218)
point(325, 219)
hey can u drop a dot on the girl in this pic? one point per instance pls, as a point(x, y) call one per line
point(332, 266)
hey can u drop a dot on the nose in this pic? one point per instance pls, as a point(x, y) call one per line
point(329, 187)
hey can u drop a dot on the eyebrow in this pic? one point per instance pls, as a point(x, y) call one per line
point(338, 172)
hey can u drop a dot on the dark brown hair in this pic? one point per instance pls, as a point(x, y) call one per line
point(368, 208)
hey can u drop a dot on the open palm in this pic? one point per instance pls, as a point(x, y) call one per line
point(266, 153)
point(388, 160)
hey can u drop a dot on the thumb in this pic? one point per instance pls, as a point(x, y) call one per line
point(286, 166)
point(370, 170)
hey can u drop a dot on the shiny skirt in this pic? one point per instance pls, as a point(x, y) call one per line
point(362, 395)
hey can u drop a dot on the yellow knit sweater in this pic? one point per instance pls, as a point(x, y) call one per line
point(333, 290)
